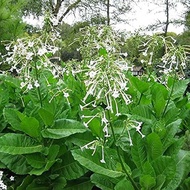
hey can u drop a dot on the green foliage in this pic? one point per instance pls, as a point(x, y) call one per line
point(10, 21)
point(59, 135)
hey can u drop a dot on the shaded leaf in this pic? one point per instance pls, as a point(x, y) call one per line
point(15, 163)
point(138, 151)
point(93, 163)
point(63, 128)
point(165, 166)
point(69, 168)
point(79, 184)
point(103, 182)
point(30, 126)
point(46, 116)
point(154, 146)
point(147, 182)
point(182, 169)
point(15, 144)
point(124, 184)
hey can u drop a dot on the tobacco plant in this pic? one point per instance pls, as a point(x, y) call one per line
point(90, 124)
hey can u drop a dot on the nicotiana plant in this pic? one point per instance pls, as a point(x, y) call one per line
point(103, 68)
point(164, 55)
point(80, 125)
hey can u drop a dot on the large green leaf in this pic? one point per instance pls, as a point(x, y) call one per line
point(103, 182)
point(63, 128)
point(48, 162)
point(80, 139)
point(124, 184)
point(59, 183)
point(179, 88)
point(148, 169)
point(165, 166)
point(182, 169)
point(147, 182)
point(138, 151)
point(21, 122)
point(15, 163)
point(143, 111)
point(46, 116)
point(140, 85)
point(159, 97)
point(16, 144)
point(79, 184)
point(154, 146)
point(36, 160)
point(30, 126)
point(13, 117)
point(174, 148)
point(172, 129)
point(69, 168)
point(92, 162)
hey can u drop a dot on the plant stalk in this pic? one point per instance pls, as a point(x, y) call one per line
point(38, 88)
point(169, 98)
point(119, 156)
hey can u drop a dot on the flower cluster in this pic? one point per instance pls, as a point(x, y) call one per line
point(104, 70)
point(93, 146)
point(2, 185)
point(164, 54)
point(27, 57)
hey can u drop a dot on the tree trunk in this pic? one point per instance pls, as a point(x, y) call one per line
point(108, 12)
point(167, 18)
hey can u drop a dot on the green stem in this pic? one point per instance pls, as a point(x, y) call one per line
point(169, 98)
point(38, 89)
point(119, 156)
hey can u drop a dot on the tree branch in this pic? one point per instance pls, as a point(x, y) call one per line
point(71, 7)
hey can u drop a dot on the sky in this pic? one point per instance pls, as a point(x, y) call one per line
point(142, 15)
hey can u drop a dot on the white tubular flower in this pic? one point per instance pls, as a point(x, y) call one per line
point(36, 84)
point(29, 87)
point(66, 95)
point(30, 44)
point(29, 55)
point(42, 51)
point(22, 85)
point(103, 156)
point(115, 94)
point(92, 74)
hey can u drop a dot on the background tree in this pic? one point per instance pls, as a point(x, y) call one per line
point(11, 25)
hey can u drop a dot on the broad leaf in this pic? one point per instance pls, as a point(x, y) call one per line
point(138, 151)
point(15, 144)
point(13, 117)
point(172, 129)
point(165, 165)
point(59, 183)
point(36, 160)
point(81, 139)
point(159, 96)
point(147, 182)
point(49, 161)
point(69, 168)
point(92, 162)
point(148, 169)
point(15, 163)
point(46, 116)
point(103, 182)
point(154, 146)
point(30, 126)
point(79, 184)
point(140, 85)
point(124, 184)
point(182, 169)
point(63, 128)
